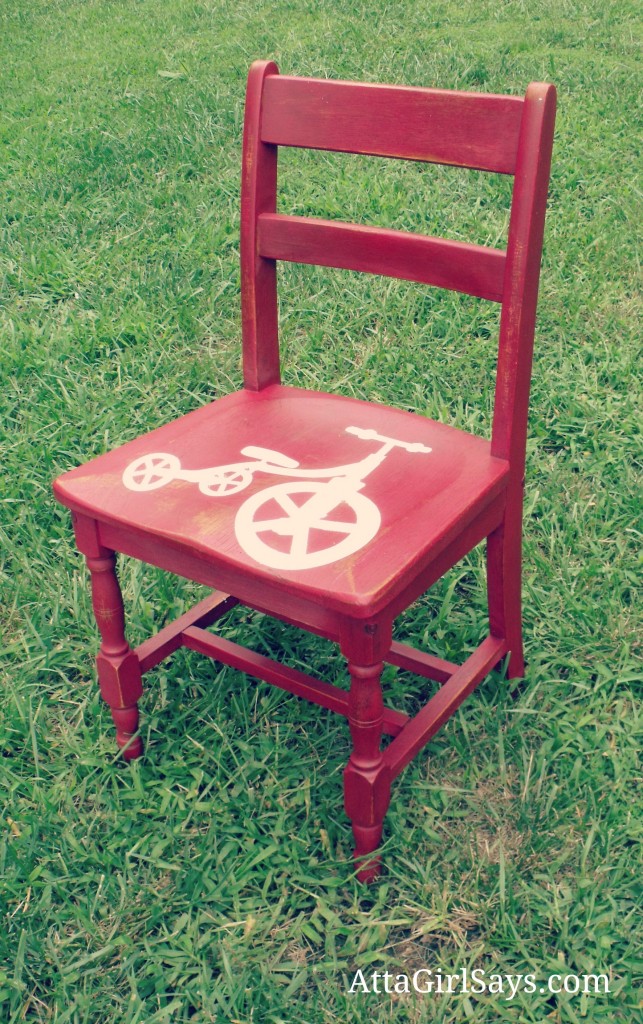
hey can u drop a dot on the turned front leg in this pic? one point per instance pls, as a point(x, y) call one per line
point(366, 784)
point(119, 671)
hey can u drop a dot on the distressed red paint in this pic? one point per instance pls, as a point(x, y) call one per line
point(427, 492)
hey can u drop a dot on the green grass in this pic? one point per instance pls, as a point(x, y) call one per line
point(212, 881)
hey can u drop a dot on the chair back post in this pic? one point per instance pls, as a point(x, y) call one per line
point(522, 271)
point(258, 274)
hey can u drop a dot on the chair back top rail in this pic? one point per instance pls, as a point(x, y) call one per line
point(438, 126)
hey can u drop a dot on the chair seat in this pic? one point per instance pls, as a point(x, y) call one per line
point(288, 487)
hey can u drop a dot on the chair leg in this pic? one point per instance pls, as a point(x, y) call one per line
point(367, 787)
point(504, 556)
point(119, 671)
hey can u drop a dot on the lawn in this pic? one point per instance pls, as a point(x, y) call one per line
point(212, 882)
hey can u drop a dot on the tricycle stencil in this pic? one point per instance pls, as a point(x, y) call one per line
point(294, 525)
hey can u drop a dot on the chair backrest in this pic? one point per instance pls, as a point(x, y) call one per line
point(504, 134)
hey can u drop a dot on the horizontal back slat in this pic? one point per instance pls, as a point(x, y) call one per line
point(473, 269)
point(474, 130)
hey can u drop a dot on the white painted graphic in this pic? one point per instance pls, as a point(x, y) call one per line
point(294, 525)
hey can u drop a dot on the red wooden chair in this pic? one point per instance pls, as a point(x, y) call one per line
point(327, 512)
